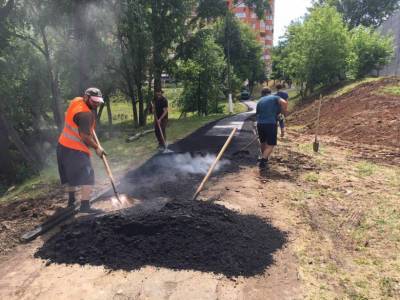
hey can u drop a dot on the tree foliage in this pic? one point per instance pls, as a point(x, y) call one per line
point(51, 51)
point(369, 51)
point(364, 12)
point(202, 73)
point(242, 49)
point(317, 49)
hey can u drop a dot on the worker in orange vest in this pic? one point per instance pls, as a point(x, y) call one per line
point(73, 154)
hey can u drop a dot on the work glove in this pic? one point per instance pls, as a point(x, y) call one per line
point(100, 151)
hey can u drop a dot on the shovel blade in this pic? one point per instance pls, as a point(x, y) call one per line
point(316, 146)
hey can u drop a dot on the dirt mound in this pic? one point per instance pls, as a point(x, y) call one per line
point(364, 115)
point(19, 216)
point(191, 235)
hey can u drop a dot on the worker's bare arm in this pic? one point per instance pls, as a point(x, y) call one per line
point(165, 111)
point(88, 140)
point(284, 106)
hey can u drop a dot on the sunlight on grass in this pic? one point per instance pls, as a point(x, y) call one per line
point(353, 85)
point(311, 177)
point(365, 168)
point(393, 90)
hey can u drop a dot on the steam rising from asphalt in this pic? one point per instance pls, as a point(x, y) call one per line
point(166, 168)
point(123, 202)
point(188, 164)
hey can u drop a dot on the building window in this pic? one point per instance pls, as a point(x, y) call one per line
point(240, 15)
point(269, 17)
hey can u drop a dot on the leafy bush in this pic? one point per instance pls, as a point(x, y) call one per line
point(369, 51)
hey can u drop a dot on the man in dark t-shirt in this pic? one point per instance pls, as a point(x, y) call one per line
point(280, 117)
point(160, 118)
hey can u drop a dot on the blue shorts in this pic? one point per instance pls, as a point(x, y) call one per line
point(267, 133)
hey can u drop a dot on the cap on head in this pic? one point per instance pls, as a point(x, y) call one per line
point(265, 91)
point(94, 94)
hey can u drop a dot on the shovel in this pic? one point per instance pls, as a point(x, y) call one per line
point(108, 169)
point(316, 141)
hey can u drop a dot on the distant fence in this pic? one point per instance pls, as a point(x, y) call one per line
point(392, 26)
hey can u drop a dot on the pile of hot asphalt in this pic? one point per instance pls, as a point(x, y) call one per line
point(192, 235)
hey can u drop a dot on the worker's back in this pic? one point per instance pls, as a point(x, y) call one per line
point(267, 109)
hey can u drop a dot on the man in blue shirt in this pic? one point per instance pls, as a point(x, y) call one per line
point(268, 108)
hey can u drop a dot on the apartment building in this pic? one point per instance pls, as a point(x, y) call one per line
point(263, 28)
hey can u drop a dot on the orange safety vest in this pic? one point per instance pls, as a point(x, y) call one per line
point(70, 136)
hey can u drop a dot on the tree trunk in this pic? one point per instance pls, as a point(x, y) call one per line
point(98, 119)
point(109, 114)
point(5, 10)
point(142, 120)
point(128, 80)
point(82, 49)
point(134, 107)
point(13, 135)
point(157, 45)
point(157, 61)
point(56, 105)
point(5, 158)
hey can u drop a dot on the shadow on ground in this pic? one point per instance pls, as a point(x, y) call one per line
point(186, 235)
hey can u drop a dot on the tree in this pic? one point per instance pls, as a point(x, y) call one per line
point(202, 73)
point(278, 54)
point(369, 51)
point(364, 12)
point(317, 49)
point(244, 51)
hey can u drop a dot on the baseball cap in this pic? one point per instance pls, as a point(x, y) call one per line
point(95, 94)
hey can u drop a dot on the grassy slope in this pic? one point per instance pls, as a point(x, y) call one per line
point(349, 246)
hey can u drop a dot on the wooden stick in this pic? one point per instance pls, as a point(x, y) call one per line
point(214, 163)
point(319, 112)
point(108, 169)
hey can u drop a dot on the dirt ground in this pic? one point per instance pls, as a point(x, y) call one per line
point(364, 115)
point(333, 218)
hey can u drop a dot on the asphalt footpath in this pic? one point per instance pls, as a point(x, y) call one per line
point(165, 227)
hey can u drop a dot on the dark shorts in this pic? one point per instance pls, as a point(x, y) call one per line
point(74, 167)
point(267, 133)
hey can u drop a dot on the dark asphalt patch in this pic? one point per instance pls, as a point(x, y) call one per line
point(181, 235)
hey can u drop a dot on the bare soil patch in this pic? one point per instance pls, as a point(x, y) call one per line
point(365, 115)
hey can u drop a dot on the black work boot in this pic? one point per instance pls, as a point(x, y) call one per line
point(263, 164)
point(71, 199)
point(85, 208)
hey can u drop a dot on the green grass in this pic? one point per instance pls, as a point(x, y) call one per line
point(393, 90)
point(353, 85)
point(311, 177)
point(365, 168)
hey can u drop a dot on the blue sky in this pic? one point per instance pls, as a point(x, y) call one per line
point(287, 11)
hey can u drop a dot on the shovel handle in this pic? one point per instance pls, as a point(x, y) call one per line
point(214, 164)
point(319, 112)
point(108, 169)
